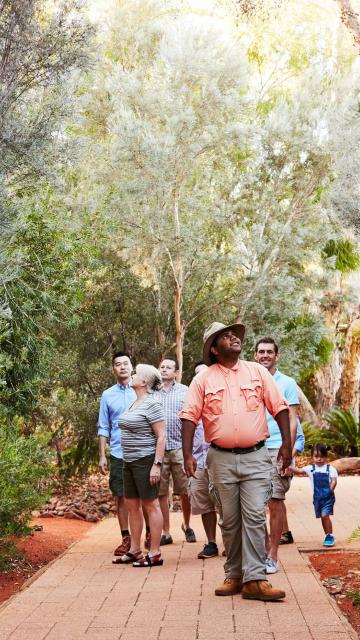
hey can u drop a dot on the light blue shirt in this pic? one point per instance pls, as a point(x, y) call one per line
point(114, 401)
point(288, 387)
point(300, 438)
point(200, 446)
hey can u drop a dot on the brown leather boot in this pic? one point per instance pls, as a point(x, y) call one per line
point(229, 587)
point(261, 590)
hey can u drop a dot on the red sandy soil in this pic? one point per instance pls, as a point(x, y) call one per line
point(346, 566)
point(39, 549)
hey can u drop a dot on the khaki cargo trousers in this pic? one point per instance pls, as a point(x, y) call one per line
point(241, 488)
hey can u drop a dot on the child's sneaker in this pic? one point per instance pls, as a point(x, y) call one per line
point(329, 540)
point(271, 566)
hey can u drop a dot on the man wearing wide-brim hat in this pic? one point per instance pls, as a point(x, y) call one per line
point(231, 397)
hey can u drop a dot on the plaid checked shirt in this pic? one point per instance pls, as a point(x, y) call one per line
point(172, 401)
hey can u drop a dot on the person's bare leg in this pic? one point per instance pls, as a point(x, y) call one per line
point(122, 513)
point(164, 506)
point(136, 522)
point(146, 517)
point(153, 510)
point(186, 509)
point(327, 524)
point(285, 526)
point(276, 524)
point(267, 540)
point(209, 521)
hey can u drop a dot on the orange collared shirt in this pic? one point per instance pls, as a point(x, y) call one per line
point(232, 403)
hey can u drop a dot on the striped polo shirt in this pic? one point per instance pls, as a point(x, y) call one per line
point(137, 437)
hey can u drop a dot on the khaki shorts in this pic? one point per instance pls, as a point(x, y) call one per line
point(280, 484)
point(173, 464)
point(116, 483)
point(199, 494)
point(136, 476)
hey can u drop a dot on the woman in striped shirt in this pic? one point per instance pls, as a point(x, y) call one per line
point(143, 436)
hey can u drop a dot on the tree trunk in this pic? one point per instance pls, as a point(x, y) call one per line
point(306, 410)
point(327, 382)
point(179, 332)
point(178, 272)
point(348, 394)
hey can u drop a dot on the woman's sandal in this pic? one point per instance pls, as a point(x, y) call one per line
point(129, 558)
point(149, 561)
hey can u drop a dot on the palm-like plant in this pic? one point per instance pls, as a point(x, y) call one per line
point(342, 436)
point(344, 429)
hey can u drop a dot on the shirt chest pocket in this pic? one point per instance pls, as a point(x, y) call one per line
point(252, 392)
point(214, 401)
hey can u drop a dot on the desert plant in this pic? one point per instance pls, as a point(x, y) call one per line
point(342, 435)
point(345, 429)
point(23, 465)
point(355, 536)
point(354, 594)
point(314, 434)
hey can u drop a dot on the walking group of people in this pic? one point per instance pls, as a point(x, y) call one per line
point(227, 443)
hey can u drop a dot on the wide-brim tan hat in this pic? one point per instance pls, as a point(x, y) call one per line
point(213, 330)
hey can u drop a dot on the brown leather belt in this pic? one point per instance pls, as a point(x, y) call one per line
point(239, 450)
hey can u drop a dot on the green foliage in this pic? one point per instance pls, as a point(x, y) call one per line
point(42, 294)
point(8, 555)
point(345, 428)
point(201, 154)
point(343, 434)
point(23, 466)
point(345, 252)
point(355, 536)
point(354, 594)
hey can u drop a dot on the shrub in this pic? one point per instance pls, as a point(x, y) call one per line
point(23, 465)
point(342, 436)
point(345, 429)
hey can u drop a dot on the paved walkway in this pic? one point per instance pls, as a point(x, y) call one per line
point(83, 596)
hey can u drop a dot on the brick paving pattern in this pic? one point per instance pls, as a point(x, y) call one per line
point(83, 596)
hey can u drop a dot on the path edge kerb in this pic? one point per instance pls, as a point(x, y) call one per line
point(42, 570)
point(344, 621)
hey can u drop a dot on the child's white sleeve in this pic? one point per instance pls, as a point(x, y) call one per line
point(307, 469)
point(333, 472)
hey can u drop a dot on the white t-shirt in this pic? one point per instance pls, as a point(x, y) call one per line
point(319, 469)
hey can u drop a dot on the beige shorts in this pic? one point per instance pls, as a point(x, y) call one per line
point(173, 464)
point(199, 494)
point(280, 484)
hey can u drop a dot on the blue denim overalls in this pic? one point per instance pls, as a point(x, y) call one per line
point(324, 497)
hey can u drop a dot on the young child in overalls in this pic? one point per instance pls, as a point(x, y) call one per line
point(323, 477)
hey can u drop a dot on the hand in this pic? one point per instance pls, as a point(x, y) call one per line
point(190, 466)
point(154, 477)
point(103, 465)
point(284, 456)
point(288, 473)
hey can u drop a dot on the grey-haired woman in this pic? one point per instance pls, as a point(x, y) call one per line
point(143, 438)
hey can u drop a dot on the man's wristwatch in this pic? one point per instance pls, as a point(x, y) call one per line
point(158, 463)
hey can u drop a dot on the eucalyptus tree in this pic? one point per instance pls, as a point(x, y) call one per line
point(41, 44)
point(215, 156)
point(297, 192)
point(166, 98)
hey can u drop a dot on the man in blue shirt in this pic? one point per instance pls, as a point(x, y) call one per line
point(114, 401)
point(267, 354)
